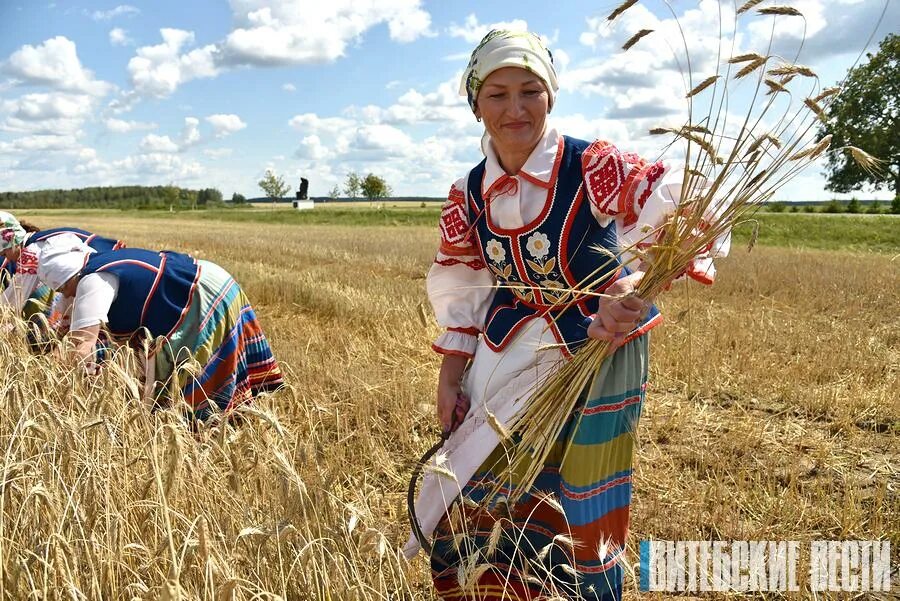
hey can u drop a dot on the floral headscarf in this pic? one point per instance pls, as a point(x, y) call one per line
point(501, 48)
point(11, 232)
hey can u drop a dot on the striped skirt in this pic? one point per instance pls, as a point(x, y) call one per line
point(566, 537)
point(219, 357)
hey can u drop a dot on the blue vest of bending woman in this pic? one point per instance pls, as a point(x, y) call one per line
point(98, 243)
point(155, 289)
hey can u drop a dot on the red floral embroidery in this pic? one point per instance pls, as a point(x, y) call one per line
point(603, 174)
point(27, 263)
point(475, 263)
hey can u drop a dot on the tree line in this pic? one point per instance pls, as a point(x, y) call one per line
point(118, 197)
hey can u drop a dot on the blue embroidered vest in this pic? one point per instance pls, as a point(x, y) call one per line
point(534, 264)
point(155, 288)
point(98, 243)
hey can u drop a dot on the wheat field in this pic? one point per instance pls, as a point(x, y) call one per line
point(772, 413)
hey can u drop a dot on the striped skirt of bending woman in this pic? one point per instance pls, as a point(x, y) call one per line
point(565, 539)
point(218, 358)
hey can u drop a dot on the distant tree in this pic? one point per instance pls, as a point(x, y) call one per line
point(273, 185)
point(335, 193)
point(895, 205)
point(809, 209)
point(853, 206)
point(353, 186)
point(795, 209)
point(833, 207)
point(171, 194)
point(874, 208)
point(238, 199)
point(866, 114)
point(775, 207)
point(374, 187)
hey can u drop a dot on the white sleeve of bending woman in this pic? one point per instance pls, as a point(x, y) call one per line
point(93, 298)
point(639, 196)
point(460, 287)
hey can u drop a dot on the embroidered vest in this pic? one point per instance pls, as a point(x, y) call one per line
point(98, 243)
point(155, 289)
point(563, 248)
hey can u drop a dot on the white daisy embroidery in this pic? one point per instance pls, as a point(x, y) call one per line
point(495, 252)
point(538, 245)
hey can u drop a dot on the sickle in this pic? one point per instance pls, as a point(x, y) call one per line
point(417, 472)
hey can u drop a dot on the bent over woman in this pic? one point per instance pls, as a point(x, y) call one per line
point(542, 214)
point(205, 338)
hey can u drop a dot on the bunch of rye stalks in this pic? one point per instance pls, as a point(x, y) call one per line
point(731, 166)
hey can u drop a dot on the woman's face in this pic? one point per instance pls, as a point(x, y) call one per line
point(12, 254)
point(513, 103)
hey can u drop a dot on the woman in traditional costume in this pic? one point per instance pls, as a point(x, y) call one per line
point(203, 336)
point(543, 213)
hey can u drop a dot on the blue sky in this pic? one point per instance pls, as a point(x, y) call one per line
point(205, 93)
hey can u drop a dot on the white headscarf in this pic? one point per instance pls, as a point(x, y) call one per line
point(11, 232)
point(62, 258)
point(501, 48)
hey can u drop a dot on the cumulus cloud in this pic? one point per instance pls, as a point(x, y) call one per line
point(190, 133)
point(159, 70)
point(153, 143)
point(54, 63)
point(224, 125)
point(289, 87)
point(293, 32)
point(120, 126)
point(119, 37)
point(45, 112)
point(472, 31)
point(123, 10)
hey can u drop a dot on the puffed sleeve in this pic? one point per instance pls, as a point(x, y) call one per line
point(460, 287)
point(639, 196)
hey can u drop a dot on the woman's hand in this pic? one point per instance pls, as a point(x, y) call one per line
point(620, 311)
point(452, 405)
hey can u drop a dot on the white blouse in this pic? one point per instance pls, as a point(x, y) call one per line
point(461, 288)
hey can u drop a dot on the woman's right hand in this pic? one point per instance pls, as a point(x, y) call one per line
point(452, 404)
point(447, 396)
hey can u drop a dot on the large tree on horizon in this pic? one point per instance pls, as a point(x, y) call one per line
point(865, 114)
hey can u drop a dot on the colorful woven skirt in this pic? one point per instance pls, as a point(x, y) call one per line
point(565, 538)
point(219, 357)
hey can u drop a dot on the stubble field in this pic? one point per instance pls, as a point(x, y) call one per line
point(772, 414)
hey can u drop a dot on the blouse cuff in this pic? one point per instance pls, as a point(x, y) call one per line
point(457, 341)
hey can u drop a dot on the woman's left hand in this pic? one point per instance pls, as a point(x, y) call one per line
point(620, 311)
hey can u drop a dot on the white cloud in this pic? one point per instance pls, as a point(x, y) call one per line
point(119, 11)
point(218, 153)
point(119, 37)
point(123, 127)
point(224, 125)
point(190, 134)
point(472, 32)
point(159, 70)
point(47, 113)
point(289, 87)
point(294, 32)
point(153, 143)
point(54, 63)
